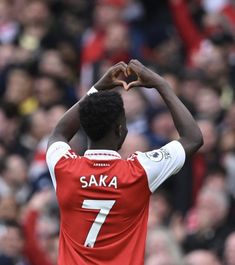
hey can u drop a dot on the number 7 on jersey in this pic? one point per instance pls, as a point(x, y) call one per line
point(104, 206)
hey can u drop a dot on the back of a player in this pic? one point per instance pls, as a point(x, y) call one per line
point(104, 201)
point(104, 210)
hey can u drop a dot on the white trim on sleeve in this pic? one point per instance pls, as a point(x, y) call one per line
point(161, 163)
point(92, 91)
point(54, 154)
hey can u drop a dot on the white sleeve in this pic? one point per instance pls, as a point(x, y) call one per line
point(54, 154)
point(161, 163)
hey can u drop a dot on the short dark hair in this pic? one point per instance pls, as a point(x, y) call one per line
point(99, 112)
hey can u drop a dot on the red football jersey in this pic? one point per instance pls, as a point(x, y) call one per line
point(104, 201)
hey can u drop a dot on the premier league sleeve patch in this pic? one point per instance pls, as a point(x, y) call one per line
point(161, 163)
point(158, 155)
point(155, 155)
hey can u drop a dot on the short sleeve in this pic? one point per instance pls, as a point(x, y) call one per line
point(161, 163)
point(54, 153)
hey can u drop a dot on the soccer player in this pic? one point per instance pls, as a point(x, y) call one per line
point(103, 198)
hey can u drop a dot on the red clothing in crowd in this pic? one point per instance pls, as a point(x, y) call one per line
point(33, 252)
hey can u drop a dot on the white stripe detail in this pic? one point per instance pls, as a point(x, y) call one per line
point(54, 154)
point(100, 154)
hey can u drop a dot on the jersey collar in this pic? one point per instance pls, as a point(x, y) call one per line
point(100, 154)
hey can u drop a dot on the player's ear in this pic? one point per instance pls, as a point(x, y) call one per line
point(118, 129)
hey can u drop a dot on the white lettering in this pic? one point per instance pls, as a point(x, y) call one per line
point(70, 154)
point(113, 182)
point(93, 181)
point(102, 180)
point(101, 165)
point(99, 181)
point(83, 181)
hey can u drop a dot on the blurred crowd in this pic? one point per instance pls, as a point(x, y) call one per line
point(53, 51)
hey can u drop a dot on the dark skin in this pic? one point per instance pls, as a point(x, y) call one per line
point(69, 124)
point(189, 132)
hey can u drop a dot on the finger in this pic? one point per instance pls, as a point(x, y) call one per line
point(121, 83)
point(120, 64)
point(133, 84)
point(134, 67)
point(135, 62)
point(128, 71)
point(123, 65)
point(120, 68)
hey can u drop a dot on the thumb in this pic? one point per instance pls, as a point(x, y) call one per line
point(121, 83)
point(136, 83)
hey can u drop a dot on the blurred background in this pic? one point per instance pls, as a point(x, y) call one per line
point(53, 51)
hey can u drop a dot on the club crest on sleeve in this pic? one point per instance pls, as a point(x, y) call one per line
point(156, 155)
point(165, 153)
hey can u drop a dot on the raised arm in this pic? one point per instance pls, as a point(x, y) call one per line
point(69, 124)
point(185, 25)
point(189, 132)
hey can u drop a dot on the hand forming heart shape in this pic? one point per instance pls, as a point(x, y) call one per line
point(121, 74)
point(126, 78)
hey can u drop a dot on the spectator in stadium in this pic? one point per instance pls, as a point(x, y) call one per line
point(163, 48)
point(194, 38)
point(161, 259)
point(217, 179)
point(207, 156)
point(36, 24)
point(9, 123)
point(14, 178)
point(34, 128)
point(161, 126)
point(19, 90)
point(106, 13)
point(191, 81)
point(161, 245)
point(135, 113)
point(7, 57)
point(134, 141)
point(160, 212)
point(9, 27)
point(116, 47)
point(41, 231)
point(207, 225)
point(227, 146)
point(38, 172)
point(203, 51)
point(198, 257)
point(51, 63)
point(12, 244)
point(109, 135)
point(229, 250)
point(208, 105)
point(9, 208)
point(48, 90)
